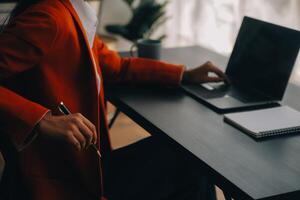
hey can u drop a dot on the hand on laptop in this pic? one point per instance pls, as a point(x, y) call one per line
point(201, 74)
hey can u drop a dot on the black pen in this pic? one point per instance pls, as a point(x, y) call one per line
point(64, 110)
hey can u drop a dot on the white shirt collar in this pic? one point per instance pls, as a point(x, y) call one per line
point(88, 18)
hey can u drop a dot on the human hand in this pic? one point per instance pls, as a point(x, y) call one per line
point(74, 129)
point(201, 74)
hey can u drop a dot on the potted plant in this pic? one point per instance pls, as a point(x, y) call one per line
point(147, 16)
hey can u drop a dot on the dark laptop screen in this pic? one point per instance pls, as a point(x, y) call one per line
point(263, 57)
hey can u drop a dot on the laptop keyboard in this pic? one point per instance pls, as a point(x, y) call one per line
point(241, 94)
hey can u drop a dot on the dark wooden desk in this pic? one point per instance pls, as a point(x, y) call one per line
point(246, 168)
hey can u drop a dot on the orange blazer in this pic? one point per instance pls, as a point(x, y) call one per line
point(45, 59)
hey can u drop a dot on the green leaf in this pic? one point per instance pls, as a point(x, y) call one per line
point(147, 16)
point(162, 37)
point(129, 2)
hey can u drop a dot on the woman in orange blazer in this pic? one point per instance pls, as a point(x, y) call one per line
point(45, 58)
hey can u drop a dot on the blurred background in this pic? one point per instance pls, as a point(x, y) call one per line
point(213, 24)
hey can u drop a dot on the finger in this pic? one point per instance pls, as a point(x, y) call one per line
point(91, 127)
point(86, 132)
point(73, 141)
point(221, 74)
point(80, 138)
point(216, 70)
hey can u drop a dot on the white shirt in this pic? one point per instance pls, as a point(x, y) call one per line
point(89, 20)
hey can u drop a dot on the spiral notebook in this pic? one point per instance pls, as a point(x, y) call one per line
point(266, 122)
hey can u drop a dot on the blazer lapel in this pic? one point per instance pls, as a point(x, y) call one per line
point(69, 6)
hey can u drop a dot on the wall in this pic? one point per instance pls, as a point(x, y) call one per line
point(113, 12)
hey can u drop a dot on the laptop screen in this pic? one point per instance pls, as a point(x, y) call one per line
point(263, 57)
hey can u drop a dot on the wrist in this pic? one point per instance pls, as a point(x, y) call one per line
point(186, 76)
point(41, 124)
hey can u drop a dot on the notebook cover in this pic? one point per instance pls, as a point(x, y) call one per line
point(266, 122)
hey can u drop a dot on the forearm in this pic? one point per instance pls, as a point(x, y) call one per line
point(139, 70)
point(19, 116)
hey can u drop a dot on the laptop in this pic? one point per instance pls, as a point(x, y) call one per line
point(259, 69)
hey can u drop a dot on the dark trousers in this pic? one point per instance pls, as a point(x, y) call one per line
point(155, 169)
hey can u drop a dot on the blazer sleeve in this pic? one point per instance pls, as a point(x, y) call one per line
point(23, 44)
point(117, 69)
